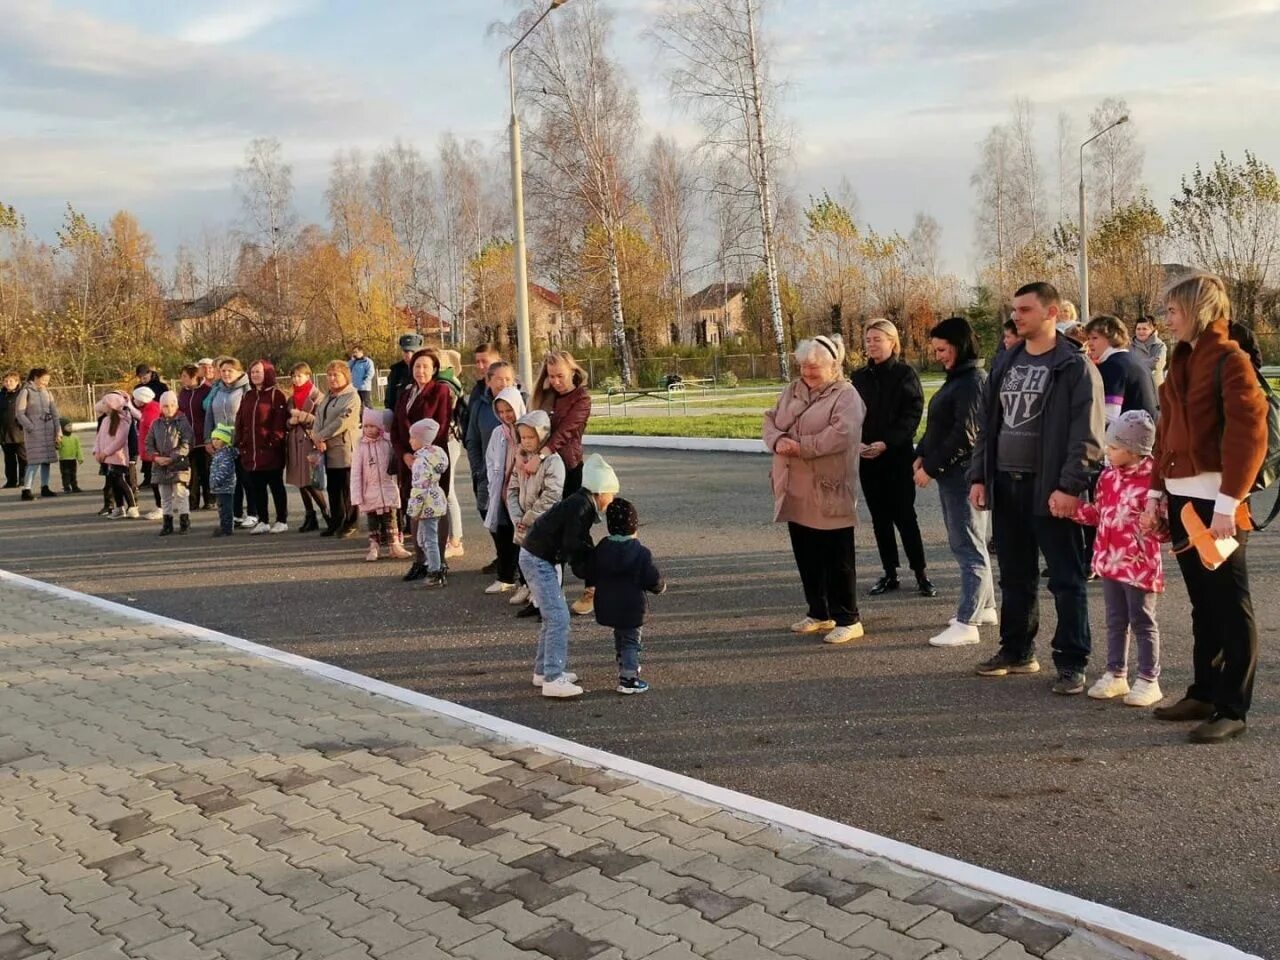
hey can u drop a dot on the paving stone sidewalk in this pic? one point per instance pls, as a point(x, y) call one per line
point(171, 798)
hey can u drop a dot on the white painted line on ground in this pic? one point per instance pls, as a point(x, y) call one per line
point(704, 444)
point(1154, 939)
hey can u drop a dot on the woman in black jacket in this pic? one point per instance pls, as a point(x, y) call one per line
point(943, 454)
point(895, 400)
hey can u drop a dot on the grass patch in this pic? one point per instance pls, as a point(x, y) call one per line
point(741, 426)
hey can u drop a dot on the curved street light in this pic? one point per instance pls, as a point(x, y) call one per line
point(523, 346)
point(1084, 226)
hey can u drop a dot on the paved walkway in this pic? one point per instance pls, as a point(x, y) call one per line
point(173, 798)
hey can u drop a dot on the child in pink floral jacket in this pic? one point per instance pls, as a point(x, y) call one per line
point(1127, 560)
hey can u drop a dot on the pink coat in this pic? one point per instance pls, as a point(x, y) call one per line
point(1121, 551)
point(373, 490)
point(818, 488)
point(114, 450)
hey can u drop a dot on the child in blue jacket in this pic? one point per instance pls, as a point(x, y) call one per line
point(623, 572)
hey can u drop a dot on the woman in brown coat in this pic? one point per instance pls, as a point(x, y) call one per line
point(299, 448)
point(1210, 442)
point(814, 432)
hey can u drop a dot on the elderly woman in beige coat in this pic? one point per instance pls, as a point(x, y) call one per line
point(814, 432)
point(335, 430)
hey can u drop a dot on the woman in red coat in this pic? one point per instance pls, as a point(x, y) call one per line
point(262, 427)
point(424, 398)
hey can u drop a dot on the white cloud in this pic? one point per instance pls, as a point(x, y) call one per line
point(237, 21)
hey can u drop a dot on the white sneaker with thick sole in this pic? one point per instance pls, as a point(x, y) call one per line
point(1109, 686)
point(561, 688)
point(520, 597)
point(956, 635)
point(261, 528)
point(278, 527)
point(132, 513)
point(156, 514)
point(538, 679)
point(1145, 693)
point(248, 522)
point(810, 625)
point(499, 586)
point(844, 634)
point(454, 549)
point(989, 617)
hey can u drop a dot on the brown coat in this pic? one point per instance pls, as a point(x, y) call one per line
point(1191, 438)
point(818, 488)
point(298, 445)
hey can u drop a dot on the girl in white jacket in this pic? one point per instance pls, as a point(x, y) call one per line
point(499, 460)
point(536, 484)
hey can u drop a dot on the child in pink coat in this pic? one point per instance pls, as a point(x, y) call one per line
point(1127, 561)
point(374, 491)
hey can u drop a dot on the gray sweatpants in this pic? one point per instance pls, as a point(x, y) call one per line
point(1131, 610)
point(175, 498)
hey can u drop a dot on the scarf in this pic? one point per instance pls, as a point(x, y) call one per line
point(300, 395)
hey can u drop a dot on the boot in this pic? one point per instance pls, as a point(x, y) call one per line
point(309, 523)
point(28, 495)
point(184, 523)
point(398, 552)
point(372, 555)
point(167, 529)
point(46, 492)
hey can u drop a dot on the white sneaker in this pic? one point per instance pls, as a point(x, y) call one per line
point(810, 625)
point(499, 586)
point(844, 634)
point(956, 635)
point(989, 617)
point(453, 548)
point(117, 513)
point(398, 552)
point(371, 556)
point(248, 522)
point(520, 597)
point(261, 528)
point(132, 513)
point(278, 527)
point(561, 687)
point(156, 514)
point(1108, 686)
point(571, 677)
point(1145, 693)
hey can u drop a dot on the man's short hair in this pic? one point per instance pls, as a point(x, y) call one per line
point(191, 370)
point(487, 347)
point(1009, 326)
point(1046, 293)
point(357, 346)
point(141, 369)
point(1149, 321)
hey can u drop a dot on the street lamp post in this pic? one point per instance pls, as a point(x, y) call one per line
point(523, 347)
point(1084, 226)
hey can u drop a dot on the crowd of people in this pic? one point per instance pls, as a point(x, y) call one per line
point(1083, 449)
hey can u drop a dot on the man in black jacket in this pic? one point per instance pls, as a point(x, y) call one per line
point(15, 456)
point(399, 377)
point(1039, 444)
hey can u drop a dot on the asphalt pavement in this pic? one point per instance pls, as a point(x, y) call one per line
point(886, 734)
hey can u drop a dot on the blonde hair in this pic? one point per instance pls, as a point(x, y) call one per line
point(302, 367)
point(235, 364)
point(1203, 299)
point(540, 390)
point(888, 328)
point(452, 358)
point(1069, 312)
point(339, 367)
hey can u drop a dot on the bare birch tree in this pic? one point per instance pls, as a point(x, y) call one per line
point(581, 139)
point(720, 71)
point(1027, 178)
point(265, 185)
point(992, 182)
point(668, 186)
point(404, 195)
point(1068, 168)
point(1114, 159)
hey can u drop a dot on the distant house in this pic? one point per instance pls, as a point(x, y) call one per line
point(222, 311)
point(431, 326)
point(714, 315)
point(550, 323)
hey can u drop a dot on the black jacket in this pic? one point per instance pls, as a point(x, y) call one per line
point(952, 426)
point(563, 533)
point(10, 429)
point(1243, 336)
point(1125, 373)
point(622, 571)
point(398, 377)
point(895, 402)
point(1071, 431)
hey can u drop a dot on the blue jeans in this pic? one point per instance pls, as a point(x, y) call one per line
point(429, 541)
point(626, 643)
point(30, 478)
point(967, 537)
point(226, 510)
point(553, 637)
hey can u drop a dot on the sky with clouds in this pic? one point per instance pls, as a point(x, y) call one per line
point(148, 104)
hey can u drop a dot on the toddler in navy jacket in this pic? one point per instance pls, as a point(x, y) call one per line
point(623, 571)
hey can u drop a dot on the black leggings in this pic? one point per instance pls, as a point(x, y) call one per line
point(118, 485)
point(508, 552)
point(890, 493)
point(258, 482)
point(340, 513)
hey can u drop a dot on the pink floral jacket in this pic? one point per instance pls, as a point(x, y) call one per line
point(1122, 552)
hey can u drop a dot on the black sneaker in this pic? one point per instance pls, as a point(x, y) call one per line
point(490, 567)
point(884, 585)
point(1069, 683)
point(28, 495)
point(436, 578)
point(630, 685)
point(1002, 664)
point(416, 572)
point(529, 610)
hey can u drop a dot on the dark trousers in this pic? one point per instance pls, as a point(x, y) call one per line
point(340, 512)
point(68, 470)
point(15, 463)
point(572, 480)
point(237, 498)
point(1224, 652)
point(146, 473)
point(200, 478)
point(258, 482)
point(226, 511)
point(366, 399)
point(1022, 534)
point(890, 493)
point(828, 572)
point(508, 552)
point(118, 487)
